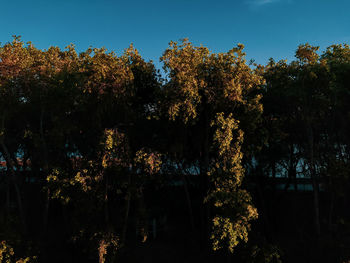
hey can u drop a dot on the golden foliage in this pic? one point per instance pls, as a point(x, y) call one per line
point(7, 255)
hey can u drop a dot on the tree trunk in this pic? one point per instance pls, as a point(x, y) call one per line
point(259, 187)
point(206, 226)
point(46, 171)
point(11, 165)
point(8, 193)
point(126, 217)
point(314, 179)
point(189, 203)
point(273, 174)
point(20, 206)
point(106, 208)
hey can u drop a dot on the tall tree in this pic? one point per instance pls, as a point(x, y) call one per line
point(208, 95)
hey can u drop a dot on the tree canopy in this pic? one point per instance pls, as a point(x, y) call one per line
point(102, 156)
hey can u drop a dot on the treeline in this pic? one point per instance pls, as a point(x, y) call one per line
point(105, 159)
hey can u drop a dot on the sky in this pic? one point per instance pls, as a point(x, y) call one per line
point(267, 28)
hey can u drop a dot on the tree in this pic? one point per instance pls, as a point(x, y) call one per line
point(210, 94)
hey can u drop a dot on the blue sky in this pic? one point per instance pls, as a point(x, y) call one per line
point(267, 28)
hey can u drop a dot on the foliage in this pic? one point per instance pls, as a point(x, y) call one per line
point(96, 147)
point(203, 87)
point(7, 255)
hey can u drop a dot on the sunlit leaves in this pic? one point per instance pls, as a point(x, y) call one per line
point(149, 162)
point(219, 91)
point(307, 53)
point(198, 77)
point(7, 255)
point(236, 211)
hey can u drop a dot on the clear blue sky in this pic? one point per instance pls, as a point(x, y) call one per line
point(267, 28)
